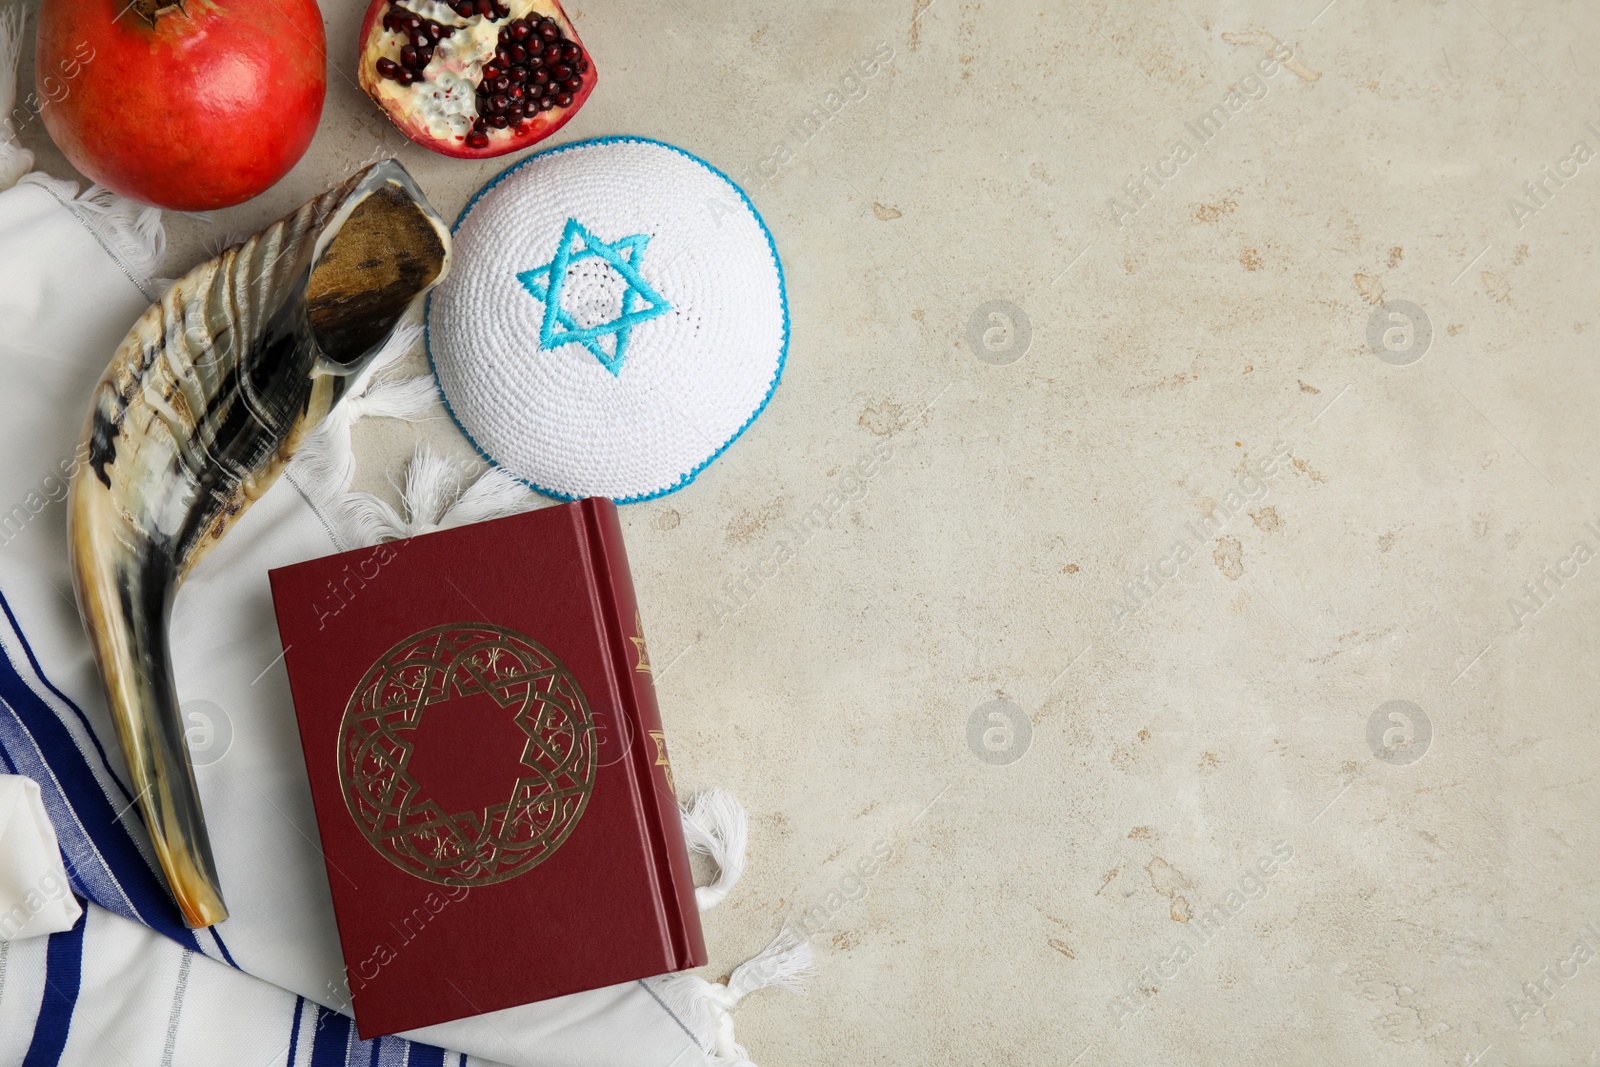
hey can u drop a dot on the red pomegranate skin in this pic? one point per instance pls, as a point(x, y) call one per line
point(205, 109)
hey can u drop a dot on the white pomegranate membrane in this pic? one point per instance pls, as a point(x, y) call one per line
point(476, 69)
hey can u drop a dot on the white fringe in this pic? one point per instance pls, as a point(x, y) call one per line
point(131, 233)
point(324, 464)
point(15, 161)
point(706, 1008)
point(715, 825)
point(432, 499)
point(494, 495)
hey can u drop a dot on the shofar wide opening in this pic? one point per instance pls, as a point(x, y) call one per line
point(386, 253)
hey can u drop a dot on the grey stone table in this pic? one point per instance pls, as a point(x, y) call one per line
point(1206, 667)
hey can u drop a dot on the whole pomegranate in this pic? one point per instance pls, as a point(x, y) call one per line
point(184, 104)
point(474, 78)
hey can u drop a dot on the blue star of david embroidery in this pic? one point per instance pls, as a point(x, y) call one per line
point(640, 302)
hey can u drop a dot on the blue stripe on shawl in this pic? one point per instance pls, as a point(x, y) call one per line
point(63, 975)
point(294, 1033)
point(332, 1041)
point(425, 1056)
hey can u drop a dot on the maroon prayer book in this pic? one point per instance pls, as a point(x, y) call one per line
point(488, 768)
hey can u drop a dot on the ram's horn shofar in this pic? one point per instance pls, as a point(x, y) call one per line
point(203, 404)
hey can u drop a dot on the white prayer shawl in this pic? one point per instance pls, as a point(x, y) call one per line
point(65, 303)
point(128, 983)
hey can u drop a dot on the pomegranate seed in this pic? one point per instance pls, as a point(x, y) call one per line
point(413, 23)
point(515, 92)
point(491, 72)
point(388, 68)
point(564, 100)
point(546, 103)
point(540, 76)
point(405, 76)
point(435, 32)
point(498, 102)
point(501, 11)
point(552, 54)
point(570, 51)
point(520, 30)
point(518, 74)
point(502, 83)
point(582, 66)
point(560, 73)
point(477, 139)
point(408, 56)
point(466, 9)
point(518, 53)
point(419, 40)
point(502, 55)
point(499, 122)
point(572, 85)
point(484, 8)
point(549, 30)
point(516, 120)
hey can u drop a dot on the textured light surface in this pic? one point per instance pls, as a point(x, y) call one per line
point(976, 564)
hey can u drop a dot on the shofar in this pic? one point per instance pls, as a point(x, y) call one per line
point(204, 403)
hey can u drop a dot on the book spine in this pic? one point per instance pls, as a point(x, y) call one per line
point(646, 754)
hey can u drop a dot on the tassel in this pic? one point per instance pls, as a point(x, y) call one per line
point(715, 825)
point(494, 495)
point(15, 161)
point(324, 466)
point(432, 499)
point(430, 481)
point(325, 462)
point(706, 1008)
point(408, 399)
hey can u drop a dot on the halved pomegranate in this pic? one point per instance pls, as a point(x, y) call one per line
point(474, 78)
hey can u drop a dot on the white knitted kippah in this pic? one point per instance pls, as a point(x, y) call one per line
point(613, 319)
